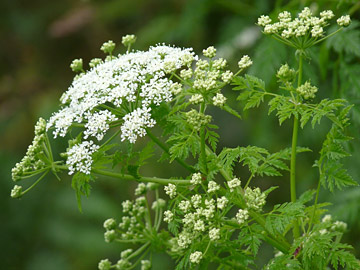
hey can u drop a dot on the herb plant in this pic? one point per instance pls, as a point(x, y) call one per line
point(212, 217)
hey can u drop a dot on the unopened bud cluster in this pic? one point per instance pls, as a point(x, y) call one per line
point(197, 119)
point(307, 91)
point(32, 161)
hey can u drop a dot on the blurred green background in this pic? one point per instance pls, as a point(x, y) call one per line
point(39, 39)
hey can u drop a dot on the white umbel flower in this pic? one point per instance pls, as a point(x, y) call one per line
point(344, 21)
point(242, 215)
point(234, 183)
point(170, 190)
point(196, 257)
point(196, 179)
point(219, 100)
point(245, 62)
point(213, 186)
point(79, 157)
point(168, 216)
point(214, 234)
point(98, 124)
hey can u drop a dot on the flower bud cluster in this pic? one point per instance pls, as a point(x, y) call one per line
point(305, 25)
point(128, 40)
point(219, 100)
point(32, 160)
point(245, 62)
point(286, 74)
point(108, 47)
point(77, 65)
point(307, 91)
point(196, 99)
point(196, 119)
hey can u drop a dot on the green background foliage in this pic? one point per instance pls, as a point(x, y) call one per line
point(39, 39)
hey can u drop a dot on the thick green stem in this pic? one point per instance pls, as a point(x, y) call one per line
point(158, 180)
point(162, 181)
point(166, 150)
point(296, 230)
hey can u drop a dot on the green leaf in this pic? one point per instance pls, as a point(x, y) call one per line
point(80, 183)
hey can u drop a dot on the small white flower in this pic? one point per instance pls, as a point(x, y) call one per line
point(242, 215)
point(326, 218)
point(234, 183)
point(219, 63)
point(168, 216)
point(170, 190)
point(79, 157)
point(199, 225)
point(327, 14)
point(222, 202)
point(263, 20)
point(184, 206)
point(344, 21)
point(104, 265)
point(141, 188)
point(196, 179)
point(196, 200)
point(213, 186)
point(245, 62)
point(196, 99)
point(255, 199)
point(184, 240)
point(219, 100)
point(196, 257)
point(186, 73)
point(210, 52)
point(109, 224)
point(227, 76)
point(214, 234)
point(16, 192)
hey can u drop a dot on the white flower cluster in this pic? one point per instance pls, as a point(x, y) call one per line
point(196, 99)
point(219, 100)
point(135, 123)
point(245, 62)
point(137, 78)
point(305, 24)
point(196, 179)
point(213, 186)
point(79, 157)
point(196, 257)
point(242, 215)
point(31, 161)
point(170, 190)
point(98, 123)
point(255, 199)
point(234, 183)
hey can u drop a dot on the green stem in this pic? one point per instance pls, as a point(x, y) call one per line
point(278, 237)
point(35, 183)
point(162, 181)
point(166, 150)
point(296, 230)
point(158, 180)
point(137, 252)
point(202, 143)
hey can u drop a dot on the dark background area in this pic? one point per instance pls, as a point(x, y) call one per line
point(39, 39)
